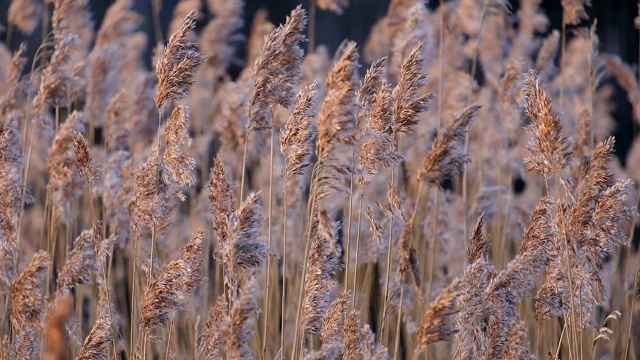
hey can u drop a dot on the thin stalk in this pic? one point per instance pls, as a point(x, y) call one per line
point(572, 336)
point(284, 267)
point(355, 266)
point(564, 328)
point(312, 26)
point(633, 302)
point(133, 292)
point(311, 214)
point(153, 242)
point(155, 6)
point(455, 354)
point(432, 250)
point(166, 353)
point(411, 220)
point(244, 164)
point(269, 216)
point(348, 243)
point(397, 340)
point(388, 275)
point(145, 335)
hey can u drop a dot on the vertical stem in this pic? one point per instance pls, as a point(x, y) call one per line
point(244, 163)
point(312, 26)
point(166, 353)
point(388, 275)
point(348, 243)
point(432, 250)
point(155, 8)
point(153, 241)
point(399, 323)
point(355, 266)
point(269, 216)
point(133, 317)
point(284, 268)
point(311, 215)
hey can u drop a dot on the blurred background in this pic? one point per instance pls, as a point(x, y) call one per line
point(615, 28)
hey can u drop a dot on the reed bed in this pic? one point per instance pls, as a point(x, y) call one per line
point(447, 190)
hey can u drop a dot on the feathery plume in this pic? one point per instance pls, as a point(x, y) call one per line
point(25, 344)
point(80, 264)
point(332, 324)
point(94, 346)
point(538, 232)
point(65, 182)
point(626, 77)
point(260, 28)
point(181, 10)
point(473, 308)
point(437, 322)
point(407, 104)
point(176, 67)
point(73, 17)
point(548, 52)
point(84, 162)
point(119, 22)
point(296, 141)
point(353, 343)
point(242, 317)
point(222, 201)
point(573, 11)
point(24, 15)
point(549, 149)
point(445, 159)
point(59, 82)
point(322, 265)
point(150, 204)
point(243, 254)
point(211, 345)
point(336, 119)
point(178, 164)
point(377, 148)
point(176, 280)
point(27, 293)
point(222, 33)
point(277, 70)
point(336, 6)
point(407, 259)
point(479, 245)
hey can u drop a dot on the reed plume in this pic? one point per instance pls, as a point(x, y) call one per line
point(322, 263)
point(336, 120)
point(176, 67)
point(27, 293)
point(212, 342)
point(549, 150)
point(242, 254)
point(66, 183)
point(408, 103)
point(445, 160)
point(242, 316)
point(299, 135)
point(24, 14)
point(177, 279)
point(178, 164)
point(84, 162)
point(336, 6)
point(277, 70)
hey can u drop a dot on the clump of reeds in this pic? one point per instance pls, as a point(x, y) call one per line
point(87, 178)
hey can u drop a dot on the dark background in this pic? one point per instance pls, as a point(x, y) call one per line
point(615, 29)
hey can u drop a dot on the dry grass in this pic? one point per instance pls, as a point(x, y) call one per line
point(193, 236)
